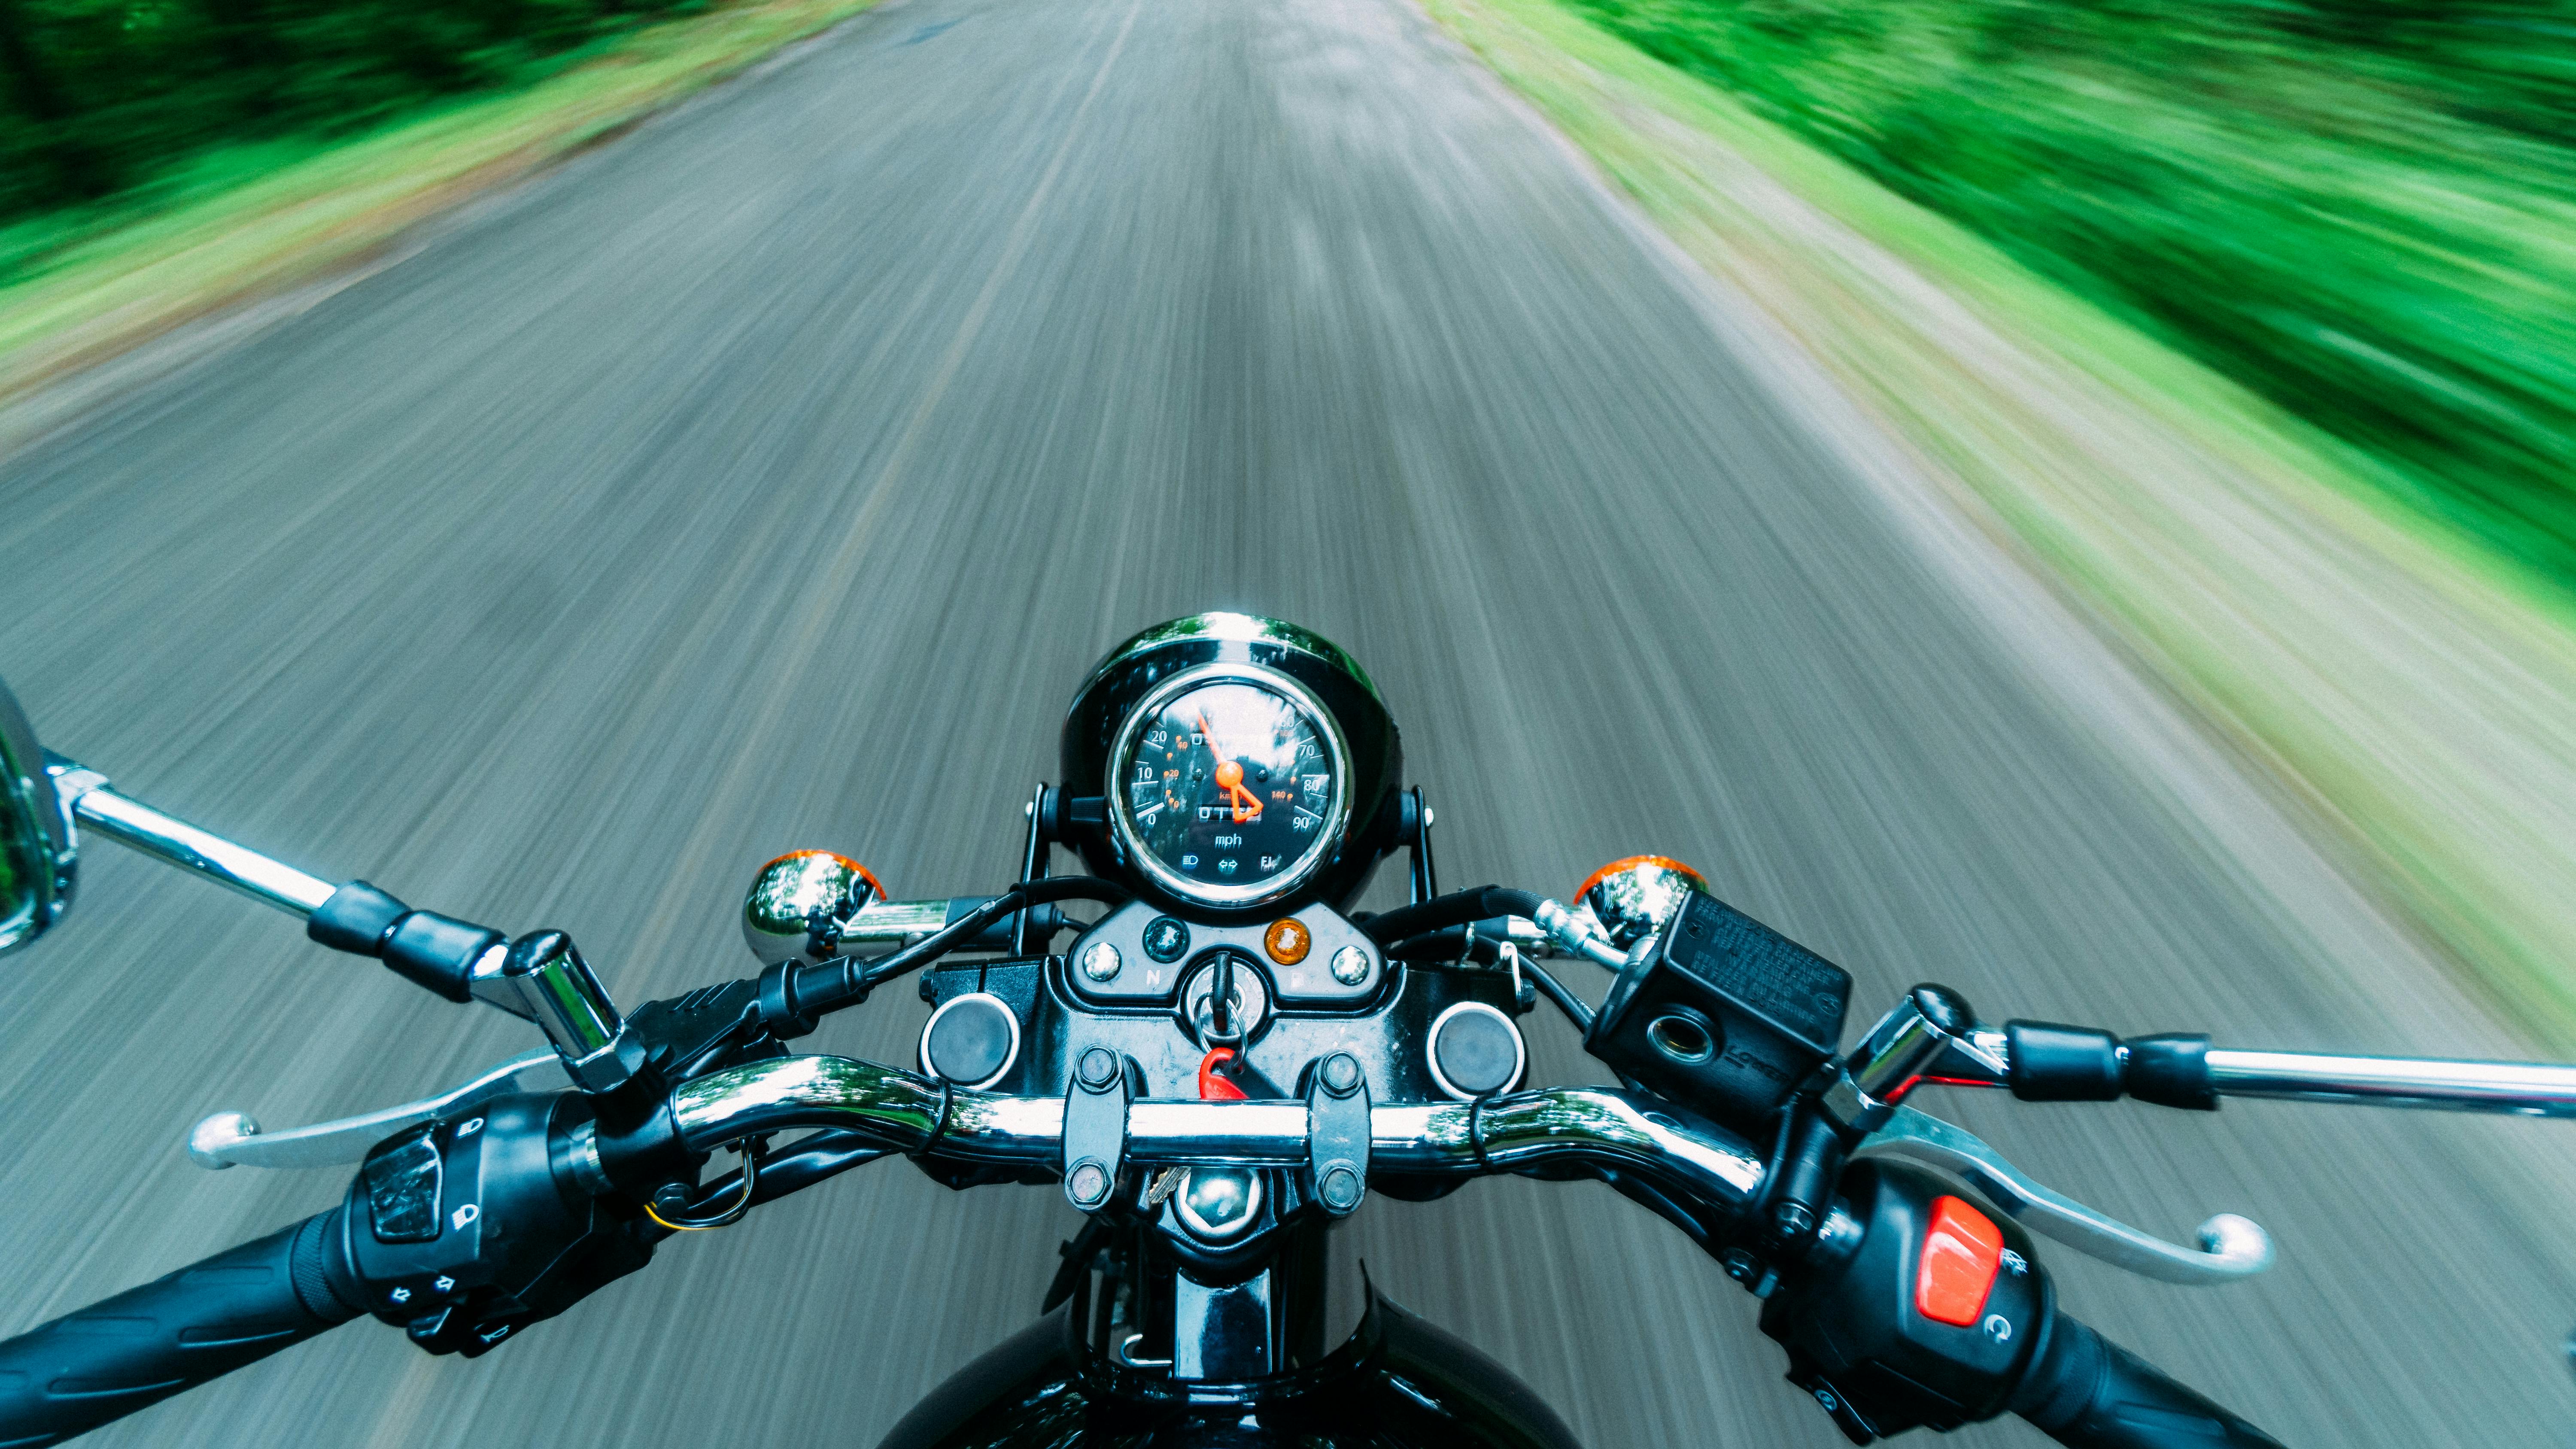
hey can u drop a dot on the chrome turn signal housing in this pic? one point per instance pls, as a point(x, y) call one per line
point(1632, 898)
point(800, 903)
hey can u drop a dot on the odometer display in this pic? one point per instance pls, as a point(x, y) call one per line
point(1228, 792)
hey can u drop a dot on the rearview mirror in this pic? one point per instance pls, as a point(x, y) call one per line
point(37, 847)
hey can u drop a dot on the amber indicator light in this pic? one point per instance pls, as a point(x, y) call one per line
point(1288, 941)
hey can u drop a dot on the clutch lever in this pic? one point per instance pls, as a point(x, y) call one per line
point(232, 1139)
point(2231, 1247)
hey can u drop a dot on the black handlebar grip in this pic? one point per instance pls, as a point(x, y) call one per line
point(131, 1351)
point(2088, 1392)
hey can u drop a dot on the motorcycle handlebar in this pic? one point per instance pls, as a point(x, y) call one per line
point(2087, 1392)
point(131, 1351)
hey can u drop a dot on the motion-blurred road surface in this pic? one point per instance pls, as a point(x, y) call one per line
point(770, 477)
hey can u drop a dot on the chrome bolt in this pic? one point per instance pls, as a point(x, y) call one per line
point(1088, 1184)
point(1998, 1328)
point(1218, 1203)
point(1340, 1188)
point(1350, 965)
point(1100, 961)
point(1340, 1074)
point(1096, 1068)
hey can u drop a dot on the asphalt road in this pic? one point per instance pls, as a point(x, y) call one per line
point(769, 477)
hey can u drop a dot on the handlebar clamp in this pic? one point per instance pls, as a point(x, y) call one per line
point(1337, 1134)
point(1095, 1127)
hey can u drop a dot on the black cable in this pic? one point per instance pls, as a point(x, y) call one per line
point(1408, 929)
point(1027, 893)
point(1483, 903)
point(847, 981)
point(1449, 943)
point(1554, 990)
point(811, 1160)
point(1662, 1204)
point(868, 975)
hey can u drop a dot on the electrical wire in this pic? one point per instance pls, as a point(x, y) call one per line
point(694, 1223)
point(1458, 908)
point(1555, 991)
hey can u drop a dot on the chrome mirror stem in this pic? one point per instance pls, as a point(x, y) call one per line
point(167, 838)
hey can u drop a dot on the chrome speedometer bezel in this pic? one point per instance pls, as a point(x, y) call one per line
point(1121, 810)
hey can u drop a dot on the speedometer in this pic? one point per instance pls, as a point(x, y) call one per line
point(1229, 785)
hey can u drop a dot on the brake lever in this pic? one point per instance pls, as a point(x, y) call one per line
point(232, 1139)
point(2231, 1247)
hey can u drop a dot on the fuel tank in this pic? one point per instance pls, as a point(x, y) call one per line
point(1400, 1383)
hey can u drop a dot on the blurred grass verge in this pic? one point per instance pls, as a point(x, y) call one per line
point(81, 285)
point(2403, 669)
point(2364, 210)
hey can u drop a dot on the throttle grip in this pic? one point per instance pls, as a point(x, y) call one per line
point(2085, 1391)
point(131, 1351)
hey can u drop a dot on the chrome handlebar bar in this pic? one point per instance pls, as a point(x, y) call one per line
point(909, 1113)
point(2517, 1089)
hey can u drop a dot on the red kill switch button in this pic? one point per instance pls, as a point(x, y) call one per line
point(1960, 1254)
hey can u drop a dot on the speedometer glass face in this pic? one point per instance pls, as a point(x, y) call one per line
point(1230, 791)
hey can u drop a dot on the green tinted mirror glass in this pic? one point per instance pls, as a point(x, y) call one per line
point(36, 842)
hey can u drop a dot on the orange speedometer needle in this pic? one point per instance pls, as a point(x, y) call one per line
point(1229, 778)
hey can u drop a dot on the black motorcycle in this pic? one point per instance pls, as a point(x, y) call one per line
point(1220, 1067)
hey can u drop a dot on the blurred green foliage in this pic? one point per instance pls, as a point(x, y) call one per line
point(2362, 209)
point(99, 97)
